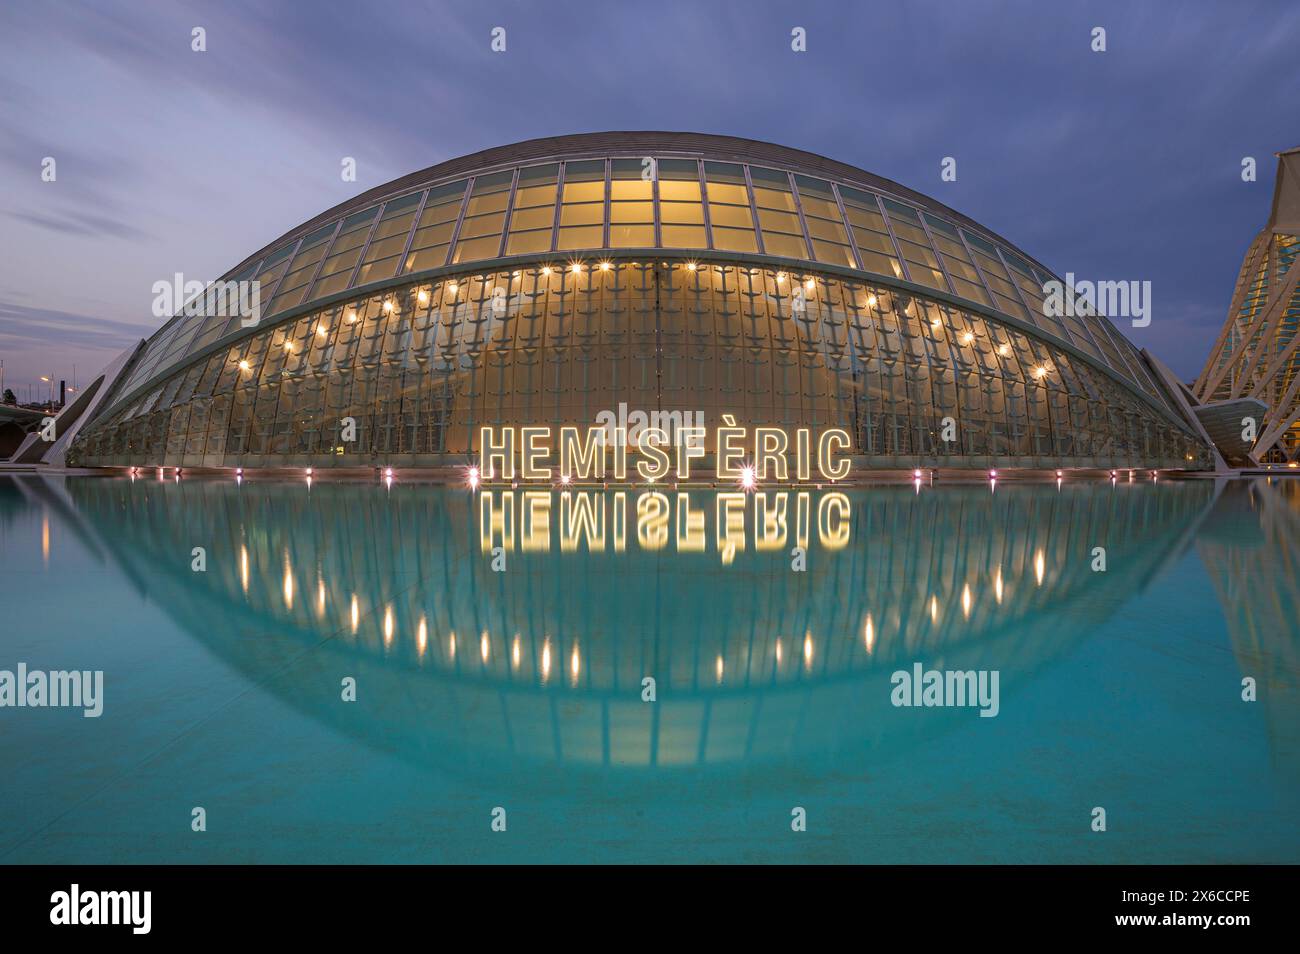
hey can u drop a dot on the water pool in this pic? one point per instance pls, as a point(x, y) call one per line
point(499, 646)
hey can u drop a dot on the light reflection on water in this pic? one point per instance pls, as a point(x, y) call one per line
point(531, 678)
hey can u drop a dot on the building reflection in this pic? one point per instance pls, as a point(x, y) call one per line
point(1250, 545)
point(543, 662)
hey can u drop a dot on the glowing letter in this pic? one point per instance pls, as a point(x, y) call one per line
point(582, 460)
point(656, 463)
point(770, 443)
point(730, 450)
point(802, 456)
point(690, 443)
point(620, 453)
point(530, 468)
point(825, 451)
point(490, 451)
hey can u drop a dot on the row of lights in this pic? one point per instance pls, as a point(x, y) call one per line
point(967, 603)
point(1039, 372)
point(966, 338)
point(748, 478)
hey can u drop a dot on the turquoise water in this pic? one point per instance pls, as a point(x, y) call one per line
point(521, 687)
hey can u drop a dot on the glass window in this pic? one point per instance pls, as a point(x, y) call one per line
point(901, 213)
point(336, 270)
point(485, 217)
point(1024, 279)
point(875, 248)
point(389, 239)
point(681, 204)
point(215, 325)
point(789, 246)
point(582, 209)
point(292, 287)
point(729, 212)
point(434, 229)
point(772, 189)
point(922, 262)
point(965, 277)
point(826, 228)
point(777, 213)
point(533, 216)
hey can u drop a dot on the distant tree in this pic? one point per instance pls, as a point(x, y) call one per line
point(9, 396)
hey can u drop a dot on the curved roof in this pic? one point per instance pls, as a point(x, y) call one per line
point(562, 197)
point(638, 143)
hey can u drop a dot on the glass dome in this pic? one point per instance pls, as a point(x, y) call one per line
point(552, 280)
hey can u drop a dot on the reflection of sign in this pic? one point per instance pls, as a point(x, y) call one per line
point(600, 522)
point(589, 453)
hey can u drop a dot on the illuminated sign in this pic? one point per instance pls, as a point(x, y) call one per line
point(536, 453)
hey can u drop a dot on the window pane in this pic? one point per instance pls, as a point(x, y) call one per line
point(832, 231)
point(678, 169)
point(632, 189)
point(587, 213)
point(585, 170)
point(732, 216)
point(683, 192)
point(587, 237)
point(685, 213)
point(682, 236)
point(773, 199)
point(534, 196)
point(523, 242)
point(477, 249)
point(724, 172)
point(584, 191)
point(525, 219)
point(479, 204)
point(632, 236)
point(734, 194)
point(780, 221)
point(632, 212)
point(734, 240)
point(790, 246)
point(497, 182)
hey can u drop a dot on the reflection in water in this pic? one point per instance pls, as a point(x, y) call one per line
point(598, 522)
point(545, 661)
point(1250, 545)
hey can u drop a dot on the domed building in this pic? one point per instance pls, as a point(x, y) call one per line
point(557, 281)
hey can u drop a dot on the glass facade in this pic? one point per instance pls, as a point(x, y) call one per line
point(665, 282)
point(418, 369)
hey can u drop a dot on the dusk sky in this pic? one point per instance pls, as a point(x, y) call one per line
point(1122, 165)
